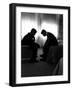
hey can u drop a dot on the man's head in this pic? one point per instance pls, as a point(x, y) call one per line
point(44, 33)
point(33, 31)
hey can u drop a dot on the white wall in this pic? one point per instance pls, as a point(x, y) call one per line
point(4, 44)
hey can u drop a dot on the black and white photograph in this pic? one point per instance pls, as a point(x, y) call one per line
point(41, 44)
point(39, 41)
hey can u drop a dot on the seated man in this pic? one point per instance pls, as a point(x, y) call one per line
point(51, 41)
point(29, 39)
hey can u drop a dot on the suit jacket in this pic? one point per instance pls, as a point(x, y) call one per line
point(28, 39)
point(51, 41)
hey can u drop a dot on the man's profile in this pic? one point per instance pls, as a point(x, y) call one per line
point(29, 38)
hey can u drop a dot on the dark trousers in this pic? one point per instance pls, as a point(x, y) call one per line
point(34, 47)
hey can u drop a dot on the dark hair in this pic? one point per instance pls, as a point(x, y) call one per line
point(43, 31)
point(33, 30)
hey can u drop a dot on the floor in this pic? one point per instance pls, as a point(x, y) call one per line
point(40, 68)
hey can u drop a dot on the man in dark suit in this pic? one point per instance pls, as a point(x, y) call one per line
point(51, 41)
point(29, 40)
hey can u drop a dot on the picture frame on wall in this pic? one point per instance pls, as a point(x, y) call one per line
point(39, 44)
